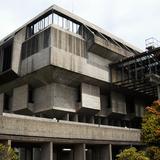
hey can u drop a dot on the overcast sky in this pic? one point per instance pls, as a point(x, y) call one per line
point(132, 20)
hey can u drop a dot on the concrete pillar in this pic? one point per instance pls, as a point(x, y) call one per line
point(36, 154)
point(106, 152)
point(105, 121)
point(91, 120)
point(22, 153)
point(89, 154)
point(66, 117)
point(1, 103)
point(76, 117)
point(79, 152)
point(28, 154)
point(6, 142)
point(102, 152)
point(84, 118)
point(47, 151)
point(158, 90)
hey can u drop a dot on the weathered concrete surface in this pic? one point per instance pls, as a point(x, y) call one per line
point(47, 151)
point(90, 96)
point(41, 127)
point(17, 44)
point(20, 98)
point(118, 103)
point(55, 96)
point(107, 49)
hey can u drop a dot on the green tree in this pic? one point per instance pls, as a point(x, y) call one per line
point(132, 154)
point(7, 153)
point(150, 135)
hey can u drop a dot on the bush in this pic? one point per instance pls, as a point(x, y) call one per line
point(132, 154)
point(7, 153)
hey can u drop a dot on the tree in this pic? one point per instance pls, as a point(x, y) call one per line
point(7, 153)
point(150, 135)
point(132, 154)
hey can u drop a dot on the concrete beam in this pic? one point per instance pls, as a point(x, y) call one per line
point(42, 127)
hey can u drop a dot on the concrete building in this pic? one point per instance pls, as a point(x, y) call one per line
point(67, 90)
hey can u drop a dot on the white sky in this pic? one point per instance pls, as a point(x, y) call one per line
point(132, 20)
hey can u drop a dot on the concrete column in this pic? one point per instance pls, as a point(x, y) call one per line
point(47, 151)
point(106, 152)
point(89, 154)
point(6, 142)
point(91, 119)
point(22, 154)
point(102, 152)
point(105, 121)
point(158, 90)
point(79, 152)
point(76, 117)
point(28, 154)
point(1, 103)
point(36, 154)
point(66, 117)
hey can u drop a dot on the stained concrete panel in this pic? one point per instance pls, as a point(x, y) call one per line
point(55, 96)
point(17, 44)
point(104, 99)
point(90, 96)
point(42, 98)
point(77, 64)
point(64, 96)
point(20, 98)
point(35, 62)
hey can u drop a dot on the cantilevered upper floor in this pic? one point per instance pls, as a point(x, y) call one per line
point(60, 38)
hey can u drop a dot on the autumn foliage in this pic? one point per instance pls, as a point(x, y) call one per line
point(150, 135)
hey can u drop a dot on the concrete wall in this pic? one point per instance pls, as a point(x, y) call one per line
point(118, 103)
point(20, 98)
point(55, 96)
point(17, 44)
point(98, 61)
point(41, 127)
point(42, 98)
point(65, 97)
point(35, 62)
point(68, 51)
point(71, 55)
point(104, 105)
point(90, 96)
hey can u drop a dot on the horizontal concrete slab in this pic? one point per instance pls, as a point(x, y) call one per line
point(12, 124)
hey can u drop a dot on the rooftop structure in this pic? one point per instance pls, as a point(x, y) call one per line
point(70, 90)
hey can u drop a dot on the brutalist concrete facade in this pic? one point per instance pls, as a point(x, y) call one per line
point(56, 97)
